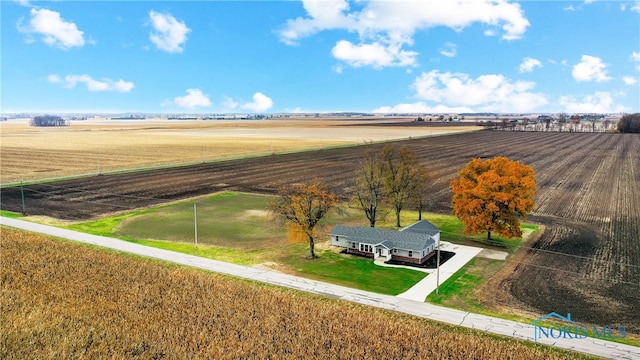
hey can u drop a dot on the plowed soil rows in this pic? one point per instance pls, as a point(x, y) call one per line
point(586, 262)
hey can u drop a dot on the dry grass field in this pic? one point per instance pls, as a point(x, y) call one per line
point(64, 300)
point(99, 145)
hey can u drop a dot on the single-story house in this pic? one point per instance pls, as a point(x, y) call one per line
point(414, 243)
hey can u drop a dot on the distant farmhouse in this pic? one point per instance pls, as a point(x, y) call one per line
point(415, 243)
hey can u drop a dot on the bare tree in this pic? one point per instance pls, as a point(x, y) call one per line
point(421, 196)
point(399, 177)
point(562, 120)
point(369, 186)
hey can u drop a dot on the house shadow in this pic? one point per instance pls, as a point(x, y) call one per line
point(429, 263)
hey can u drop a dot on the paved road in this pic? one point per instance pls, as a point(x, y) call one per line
point(451, 316)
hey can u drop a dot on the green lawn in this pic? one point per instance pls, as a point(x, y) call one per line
point(458, 290)
point(355, 272)
point(10, 214)
point(236, 227)
point(232, 220)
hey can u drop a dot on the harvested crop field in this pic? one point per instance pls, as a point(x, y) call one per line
point(586, 262)
point(65, 300)
point(99, 146)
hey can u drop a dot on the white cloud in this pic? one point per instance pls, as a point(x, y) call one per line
point(634, 6)
point(260, 103)
point(324, 15)
point(55, 31)
point(485, 93)
point(106, 84)
point(629, 80)
point(420, 107)
point(53, 78)
point(194, 98)
point(229, 104)
point(449, 50)
point(589, 1)
point(170, 34)
point(635, 57)
point(590, 68)
point(384, 27)
point(599, 102)
point(528, 64)
point(375, 55)
point(337, 68)
point(569, 8)
point(297, 110)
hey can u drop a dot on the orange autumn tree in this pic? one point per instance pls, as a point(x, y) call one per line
point(301, 207)
point(494, 195)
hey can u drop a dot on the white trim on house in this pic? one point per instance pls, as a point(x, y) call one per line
point(414, 243)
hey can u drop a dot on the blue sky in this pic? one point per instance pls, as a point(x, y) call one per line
point(316, 56)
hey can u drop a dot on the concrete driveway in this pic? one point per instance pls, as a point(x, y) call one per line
point(420, 291)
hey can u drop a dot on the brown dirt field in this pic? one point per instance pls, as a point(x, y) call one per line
point(588, 199)
point(99, 146)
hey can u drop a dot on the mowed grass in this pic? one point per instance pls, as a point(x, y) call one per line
point(237, 228)
point(459, 290)
point(355, 272)
point(67, 300)
point(233, 220)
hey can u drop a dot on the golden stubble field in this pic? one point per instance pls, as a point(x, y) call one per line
point(101, 145)
point(70, 301)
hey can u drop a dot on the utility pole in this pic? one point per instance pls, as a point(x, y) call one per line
point(22, 195)
point(438, 268)
point(195, 222)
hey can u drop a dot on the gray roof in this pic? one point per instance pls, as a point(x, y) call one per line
point(391, 239)
point(422, 227)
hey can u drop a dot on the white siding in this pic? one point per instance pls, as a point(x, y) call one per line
point(338, 241)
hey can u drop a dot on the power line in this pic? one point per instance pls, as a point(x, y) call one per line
point(515, 247)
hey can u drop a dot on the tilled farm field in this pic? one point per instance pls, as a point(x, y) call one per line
point(586, 262)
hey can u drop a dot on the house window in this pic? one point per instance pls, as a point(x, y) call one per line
point(353, 245)
point(410, 253)
point(395, 251)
